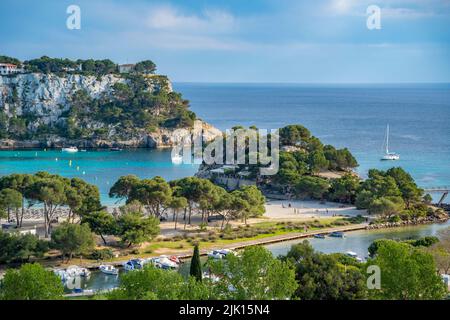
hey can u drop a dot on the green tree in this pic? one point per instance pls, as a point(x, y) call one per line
point(156, 284)
point(31, 282)
point(146, 66)
point(155, 194)
point(101, 223)
point(177, 204)
point(122, 188)
point(254, 274)
point(407, 273)
point(72, 239)
point(427, 198)
point(317, 161)
point(89, 197)
point(51, 191)
point(411, 193)
point(344, 189)
point(312, 187)
point(441, 251)
point(252, 201)
point(134, 228)
point(11, 200)
point(193, 189)
point(20, 183)
point(386, 207)
point(325, 277)
point(196, 266)
point(20, 248)
point(294, 135)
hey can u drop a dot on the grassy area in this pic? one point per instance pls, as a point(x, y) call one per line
point(214, 238)
point(256, 231)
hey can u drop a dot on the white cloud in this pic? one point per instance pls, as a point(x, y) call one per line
point(395, 9)
point(342, 6)
point(405, 13)
point(210, 21)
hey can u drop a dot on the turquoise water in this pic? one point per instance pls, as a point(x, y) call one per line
point(345, 116)
point(352, 116)
point(359, 241)
point(101, 168)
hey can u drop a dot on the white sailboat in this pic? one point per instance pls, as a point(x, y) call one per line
point(389, 155)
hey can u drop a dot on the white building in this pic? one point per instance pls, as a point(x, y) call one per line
point(8, 68)
point(126, 68)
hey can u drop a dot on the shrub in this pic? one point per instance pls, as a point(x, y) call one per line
point(101, 254)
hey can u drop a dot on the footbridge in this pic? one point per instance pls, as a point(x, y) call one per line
point(442, 189)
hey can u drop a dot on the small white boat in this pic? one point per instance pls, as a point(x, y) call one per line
point(220, 253)
point(389, 155)
point(215, 254)
point(166, 263)
point(212, 277)
point(177, 159)
point(354, 255)
point(62, 274)
point(70, 149)
point(76, 271)
point(109, 269)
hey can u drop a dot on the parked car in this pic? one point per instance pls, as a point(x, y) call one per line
point(215, 218)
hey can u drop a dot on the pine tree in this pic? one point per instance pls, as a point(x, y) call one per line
point(196, 267)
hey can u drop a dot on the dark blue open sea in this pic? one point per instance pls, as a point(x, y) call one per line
point(353, 116)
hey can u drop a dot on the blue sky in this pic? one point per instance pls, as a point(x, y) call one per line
point(310, 41)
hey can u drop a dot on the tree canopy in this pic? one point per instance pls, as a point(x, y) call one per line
point(31, 282)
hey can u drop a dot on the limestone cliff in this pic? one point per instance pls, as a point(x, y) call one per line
point(47, 110)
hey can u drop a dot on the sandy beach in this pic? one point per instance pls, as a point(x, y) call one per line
point(276, 210)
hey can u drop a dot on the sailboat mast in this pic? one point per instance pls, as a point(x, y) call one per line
point(387, 139)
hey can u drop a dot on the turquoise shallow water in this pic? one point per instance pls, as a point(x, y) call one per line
point(352, 116)
point(101, 168)
point(345, 116)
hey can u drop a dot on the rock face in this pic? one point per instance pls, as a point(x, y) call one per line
point(47, 96)
point(45, 99)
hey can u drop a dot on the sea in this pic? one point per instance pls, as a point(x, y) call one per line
point(351, 116)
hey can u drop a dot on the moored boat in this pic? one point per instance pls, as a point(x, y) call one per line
point(337, 234)
point(70, 149)
point(164, 262)
point(319, 236)
point(109, 269)
point(219, 253)
point(389, 155)
point(177, 159)
point(76, 271)
point(62, 274)
point(134, 264)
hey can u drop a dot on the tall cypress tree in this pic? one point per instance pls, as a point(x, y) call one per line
point(196, 267)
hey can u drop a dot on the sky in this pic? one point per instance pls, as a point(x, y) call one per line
point(295, 41)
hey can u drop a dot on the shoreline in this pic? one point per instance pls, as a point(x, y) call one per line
point(243, 244)
point(290, 236)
